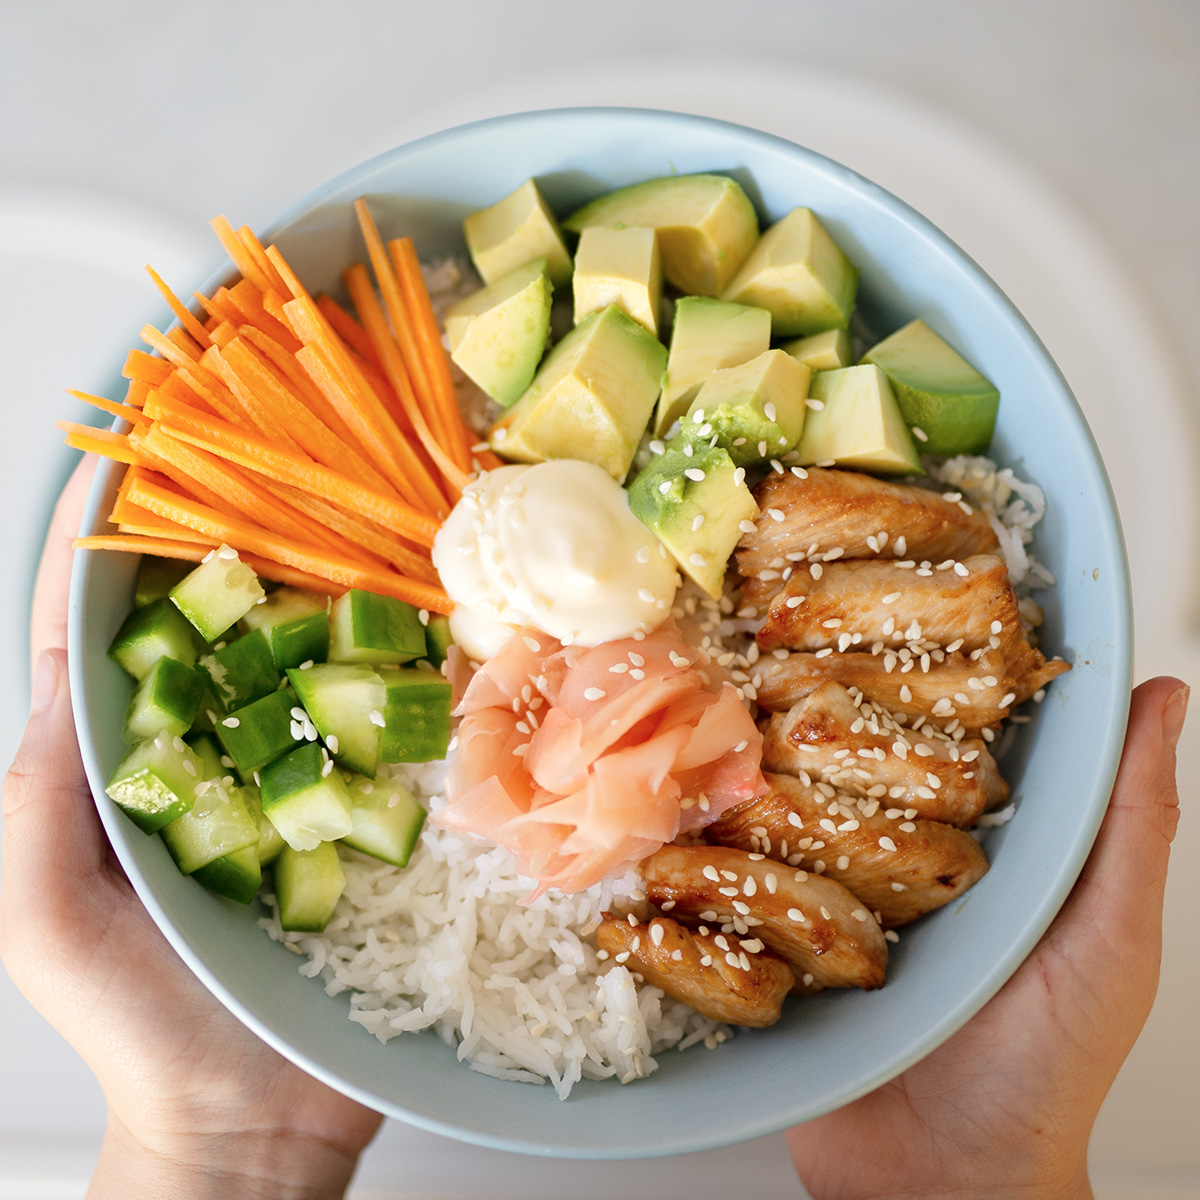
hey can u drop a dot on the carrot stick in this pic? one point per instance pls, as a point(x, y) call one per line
point(185, 318)
point(244, 535)
point(145, 368)
point(179, 337)
point(261, 417)
point(134, 416)
point(101, 441)
point(136, 393)
point(347, 328)
point(249, 300)
point(167, 348)
point(236, 249)
point(256, 251)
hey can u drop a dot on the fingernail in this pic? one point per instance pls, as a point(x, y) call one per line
point(45, 682)
point(1173, 716)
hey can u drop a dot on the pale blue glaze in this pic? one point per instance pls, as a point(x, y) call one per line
point(827, 1049)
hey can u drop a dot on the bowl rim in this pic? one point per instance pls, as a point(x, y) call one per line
point(1053, 896)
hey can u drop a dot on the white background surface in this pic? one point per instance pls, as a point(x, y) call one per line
point(1057, 143)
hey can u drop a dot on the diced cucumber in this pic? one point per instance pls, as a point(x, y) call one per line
point(242, 671)
point(270, 840)
point(156, 577)
point(260, 732)
point(158, 630)
point(416, 715)
point(305, 798)
point(209, 754)
point(166, 701)
point(295, 623)
point(156, 782)
point(346, 703)
point(387, 820)
point(236, 875)
point(438, 640)
point(308, 885)
point(220, 591)
point(366, 628)
point(219, 823)
point(209, 712)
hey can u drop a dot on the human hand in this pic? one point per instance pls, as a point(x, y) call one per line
point(1006, 1106)
point(198, 1106)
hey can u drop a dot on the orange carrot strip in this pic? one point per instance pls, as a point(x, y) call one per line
point(136, 393)
point(236, 249)
point(167, 348)
point(145, 368)
point(273, 304)
point(221, 335)
point(186, 319)
point(347, 328)
point(429, 343)
point(261, 416)
point(134, 416)
point(100, 441)
point(177, 388)
point(256, 251)
point(250, 301)
point(179, 337)
point(245, 535)
point(206, 385)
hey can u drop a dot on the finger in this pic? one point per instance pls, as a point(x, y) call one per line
point(48, 620)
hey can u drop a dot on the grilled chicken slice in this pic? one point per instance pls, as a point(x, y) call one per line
point(810, 512)
point(968, 605)
point(720, 975)
point(899, 869)
point(815, 925)
point(862, 750)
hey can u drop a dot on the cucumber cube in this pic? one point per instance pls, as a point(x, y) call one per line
point(295, 623)
point(156, 782)
point(438, 640)
point(166, 701)
point(220, 591)
point(346, 703)
point(260, 732)
point(158, 630)
point(209, 713)
point(219, 823)
point(366, 628)
point(305, 798)
point(156, 577)
point(242, 671)
point(236, 875)
point(416, 716)
point(270, 841)
point(387, 820)
point(308, 885)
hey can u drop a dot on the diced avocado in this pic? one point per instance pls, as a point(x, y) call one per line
point(438, 640)
point(219, 823)
point(828, 351)
point(166, 701)
point(755, 410)
point(220, 591)
point(591, 399)
point(305, 797)
point(157, 630)
point(295, 622)
point(799, 275)
point(706, 226)
point(236, 875)
point(938, 391)
point(346, 704)
point(858, 425)
point(368, 628)
point(497, 335)
point(242, 671)
point(156, 577)
point(514, 232)
point(308, 885)
point(707, 335)
point(260, 732)
point(416, 716)
point(387, 819)
point(155, 782)
point(694, 504)
point(621, 267)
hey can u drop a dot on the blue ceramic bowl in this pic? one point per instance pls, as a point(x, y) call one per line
point(831, 1048)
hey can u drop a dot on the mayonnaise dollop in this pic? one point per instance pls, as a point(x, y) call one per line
point(554, 546)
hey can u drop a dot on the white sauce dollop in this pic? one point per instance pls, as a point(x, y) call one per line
point(553, 546)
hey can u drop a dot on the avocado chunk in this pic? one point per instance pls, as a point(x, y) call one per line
point(694, 503)
point(828, 351)
point(939, 392)
point(621, 267)
point(515, 231)
point(591, 398)
point(858, 423)
point(498, 334)
point(798, 274)
point(706, 226)
point(755, 410)
point(707, 335)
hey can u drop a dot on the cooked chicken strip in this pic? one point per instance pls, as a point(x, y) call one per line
point(810, 512)
point(899, 869)
point(826, 736)
point(966, 606)
point(815, 925)
point(720, 976)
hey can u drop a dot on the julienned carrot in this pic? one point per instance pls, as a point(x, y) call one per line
point(407, 266)
point(241, 535)
point(237, 251)
point(250, 301)
point(178, 336)
point(136, 393)
point(258, 252)
point(261, 415)
point(197, 331)
point(145, 368)
point(346, 327)
point(102, 441)
point(167, 348)
point(126, 412)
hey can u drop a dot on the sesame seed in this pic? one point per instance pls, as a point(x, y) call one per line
point(332, 742)
point(920, 434)
point(1007, 699)
point(794, 914)
point(815, 405)
point(231, 722)
point(695, 474)
point(594, 693)
point(886, 843)
point(376, 718)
